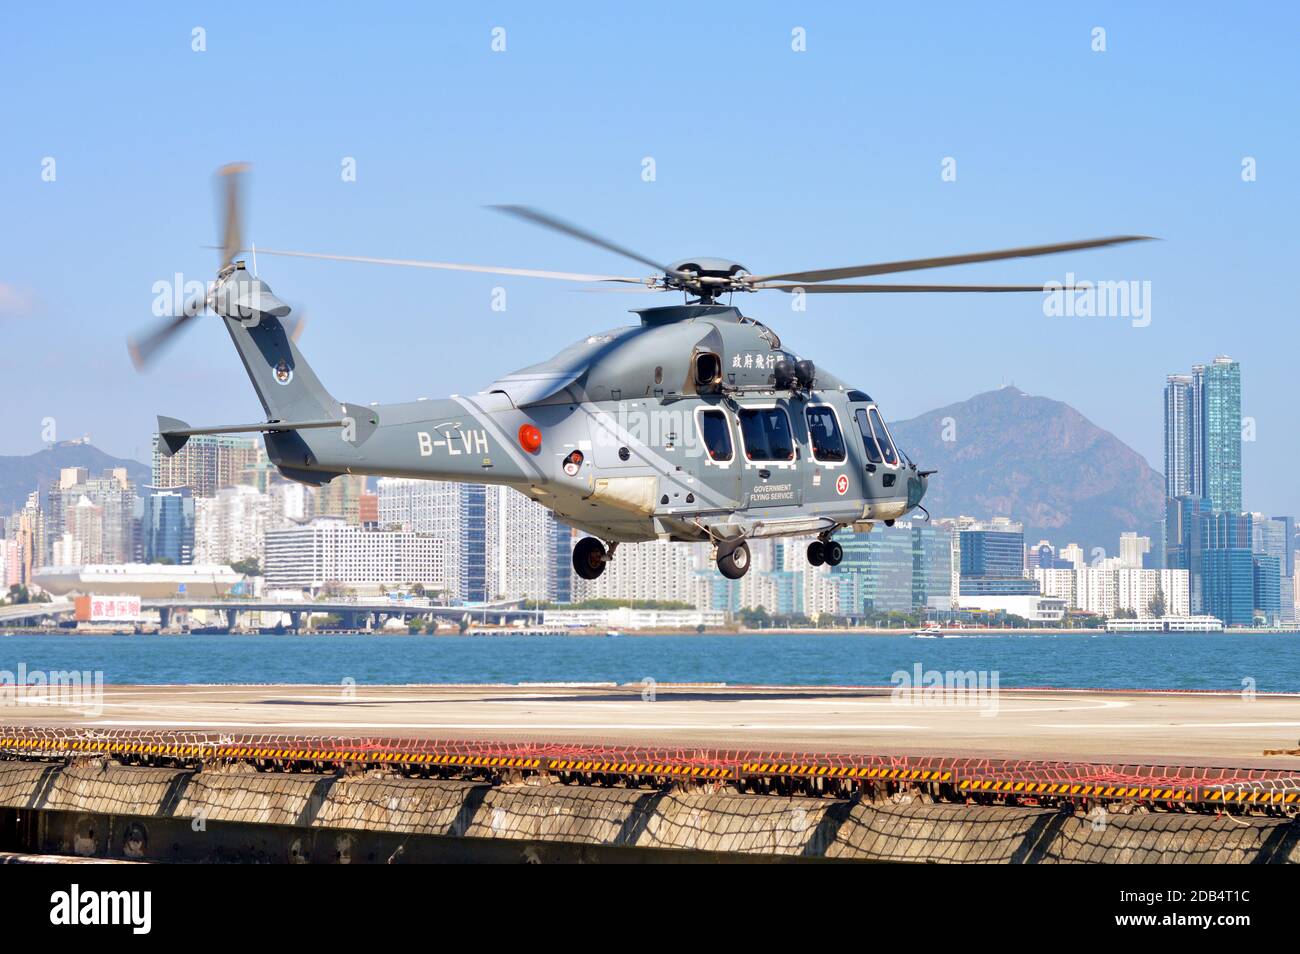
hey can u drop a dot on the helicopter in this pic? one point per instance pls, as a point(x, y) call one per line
point(696, 424)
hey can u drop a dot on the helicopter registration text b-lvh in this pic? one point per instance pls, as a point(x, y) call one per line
point(695, 424)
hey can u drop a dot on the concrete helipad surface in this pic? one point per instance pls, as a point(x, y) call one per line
point(1187, 728)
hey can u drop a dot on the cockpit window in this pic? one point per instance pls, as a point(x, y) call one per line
point(868, 438)
point(824, 434)
point(716, 435)
point(767, 433)
point(883, 438)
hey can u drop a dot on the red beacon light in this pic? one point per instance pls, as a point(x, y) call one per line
point(530, 438)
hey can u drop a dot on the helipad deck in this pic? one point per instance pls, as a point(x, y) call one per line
point(1132, 727)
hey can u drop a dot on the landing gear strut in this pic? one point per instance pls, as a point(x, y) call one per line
point(589, 558)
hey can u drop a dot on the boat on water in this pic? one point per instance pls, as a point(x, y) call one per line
point(938, 631)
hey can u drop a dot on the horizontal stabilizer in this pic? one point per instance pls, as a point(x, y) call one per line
point(174, 433)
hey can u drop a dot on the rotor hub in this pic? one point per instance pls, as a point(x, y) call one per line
point(706, 276)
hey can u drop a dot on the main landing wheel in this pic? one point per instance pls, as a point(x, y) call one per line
point(816, 553)
point(834, 553)
point(736, 563)
point(589, 558)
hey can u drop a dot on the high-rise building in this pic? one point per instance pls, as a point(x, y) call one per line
point(1274, 539)
point(990, 559)
point(12, 561)
point(341, 497)
point(1203, 434)
point(66, 552)
point(1071, 555)
point(1205, 530)
point(875, 575)
point(472, 519)
point(898, 569)
point(368, 511)
point(206, 464)
point(1185, 434)
point(1044, 556)
point(474, 540)
point(1227, 566)
point(327, 553)
point(230, 526)
point(1110, 588)
point(1268, 588)
point(1133, 550)
point(439, 507)
point(775, 581)
point(290, 502)
point(30, 536)
point(85, 524)
point(165, 525)
point(654, 570)
point(113, 494)
point(524, 548)
point(1223, 435)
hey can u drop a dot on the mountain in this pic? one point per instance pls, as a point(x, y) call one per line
point(1038, 461)
point(19, 476)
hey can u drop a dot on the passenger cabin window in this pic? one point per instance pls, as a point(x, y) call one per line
point(882, 436)
point(767, 433)
point(824, 434)
point(868, 438)
point(716, 435)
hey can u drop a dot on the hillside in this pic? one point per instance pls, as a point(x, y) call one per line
point(1038, 461)
point(19, 476)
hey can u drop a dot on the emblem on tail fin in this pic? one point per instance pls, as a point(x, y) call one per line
point(283, 373)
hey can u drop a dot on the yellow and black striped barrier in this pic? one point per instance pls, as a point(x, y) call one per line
point(1225, 796)
point(1157, 793)
point(645, 765)
point(674, 769)
point(845, 771)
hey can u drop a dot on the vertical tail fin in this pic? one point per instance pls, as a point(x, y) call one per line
point(286, 385)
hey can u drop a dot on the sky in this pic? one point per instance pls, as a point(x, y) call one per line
point(778, 158)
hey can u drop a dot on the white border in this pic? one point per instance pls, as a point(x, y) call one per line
point(812, 449)
point(731, 436)
point(898, 458)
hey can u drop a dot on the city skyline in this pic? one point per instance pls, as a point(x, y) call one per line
point(875, 188)
point(475, 543)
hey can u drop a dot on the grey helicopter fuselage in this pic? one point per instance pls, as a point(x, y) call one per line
point(693, 425)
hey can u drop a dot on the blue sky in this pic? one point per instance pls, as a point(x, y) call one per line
point(780, 160)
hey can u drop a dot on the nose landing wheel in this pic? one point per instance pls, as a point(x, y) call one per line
point(589, 558)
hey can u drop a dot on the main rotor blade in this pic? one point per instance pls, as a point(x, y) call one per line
point(451, 267)
point(620, 291)
point(145, 348)
point(884, 268)
point(538, 217)
point(231, 178)
point(815, 289)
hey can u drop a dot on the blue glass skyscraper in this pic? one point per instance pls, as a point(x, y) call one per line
point(1205, 530)
point(993, 564)
point(1222, 402)
point(473, 544)
point(1227, 566)
point(166, 525)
